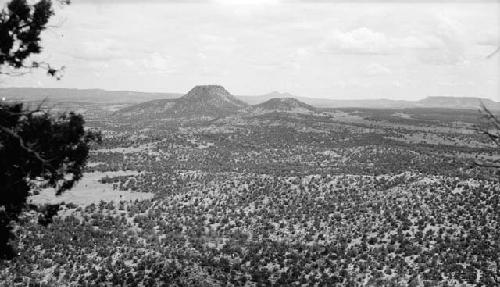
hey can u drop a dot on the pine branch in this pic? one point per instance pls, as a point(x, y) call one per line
point(24, 146)
point(26, 69)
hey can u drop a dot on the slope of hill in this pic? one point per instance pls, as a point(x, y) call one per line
point(429, 102)
point(364, 103)
point(204, 101)
point(458, 103)
point(81, 95)
point(254, 100)
point(110, 99)
point(211, 99)
point(330, 103)
point(283, 105)
point(151, 108)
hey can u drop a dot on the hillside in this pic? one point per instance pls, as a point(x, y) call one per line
point(208, 99)
point(258, 99)
point(458, 103)
point(429, 102)
point(152, 108)
point(283, 105)
point(81, 95)
point(331, 103)
point(203, 101)
point(227, 101)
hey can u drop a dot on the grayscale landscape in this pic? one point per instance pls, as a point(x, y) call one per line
point(231, 179)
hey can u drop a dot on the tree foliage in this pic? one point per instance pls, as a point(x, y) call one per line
point(21, 25)
point(34, 145)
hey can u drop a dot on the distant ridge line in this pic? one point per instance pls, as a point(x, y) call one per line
point(135, 97)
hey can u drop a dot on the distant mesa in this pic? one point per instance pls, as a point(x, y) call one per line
point(458, 103)
point(470, 103)
point(214, 96)
point(99, 96)
point(215, 101)
point(253, 100)
point(201, 102)
point(276, 94)
point(283, 105)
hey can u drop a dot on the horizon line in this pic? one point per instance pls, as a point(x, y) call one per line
point(257, 95)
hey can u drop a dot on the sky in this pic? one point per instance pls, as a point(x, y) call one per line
point(361, 49)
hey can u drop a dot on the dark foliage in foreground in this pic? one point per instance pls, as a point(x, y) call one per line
point(21, 25)
point(34, 145)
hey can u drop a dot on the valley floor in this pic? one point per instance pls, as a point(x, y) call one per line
point(352, 198)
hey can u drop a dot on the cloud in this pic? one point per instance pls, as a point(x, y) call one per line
point(438, 44)
point(157, 63)
point(445, 45)
point(375, 69)
point(489, 39)
point(359, 41)
point(297, 47)
point(102, 50)
point(366, 41)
